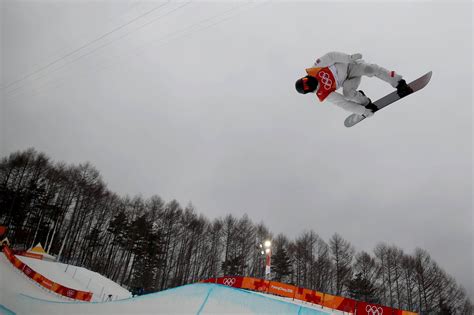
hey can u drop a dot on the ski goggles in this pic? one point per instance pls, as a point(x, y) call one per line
point(306, 87)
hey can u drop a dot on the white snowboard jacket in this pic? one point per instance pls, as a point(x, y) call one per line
point(338, 63)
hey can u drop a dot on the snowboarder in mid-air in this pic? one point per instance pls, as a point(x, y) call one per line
point(335, 70)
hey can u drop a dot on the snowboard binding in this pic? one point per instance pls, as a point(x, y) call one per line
point(370, 105)
point(403, 89)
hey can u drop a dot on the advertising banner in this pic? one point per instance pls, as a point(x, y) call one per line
point(255, 284)
point(235, 282)
point(375, 309)
point(307, 295)
point(282, 289)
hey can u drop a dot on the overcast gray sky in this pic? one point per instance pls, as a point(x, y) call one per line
point(195, 101)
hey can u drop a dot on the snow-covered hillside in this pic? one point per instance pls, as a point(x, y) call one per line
point(78, 278)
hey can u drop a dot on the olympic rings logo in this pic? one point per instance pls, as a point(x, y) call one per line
point(374, 310)
point(229, 281)
point(325, 79)
point(70, 293)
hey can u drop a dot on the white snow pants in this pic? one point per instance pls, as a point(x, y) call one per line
point(354, 73)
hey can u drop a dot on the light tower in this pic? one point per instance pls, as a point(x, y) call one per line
point(267, 245)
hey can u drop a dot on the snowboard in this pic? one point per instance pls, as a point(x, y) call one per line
point(416, 85)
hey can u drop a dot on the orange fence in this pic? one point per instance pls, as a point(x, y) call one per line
point(31, 255)
point(311, 296)
point(45, 282)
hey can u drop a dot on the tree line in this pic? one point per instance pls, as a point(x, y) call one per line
point(155, 245)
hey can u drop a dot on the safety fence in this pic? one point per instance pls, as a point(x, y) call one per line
point(325, 300)
point(45, 282)
point(30, 255)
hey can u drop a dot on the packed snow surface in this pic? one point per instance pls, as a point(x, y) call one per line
point(20, 295)
point(78, 278)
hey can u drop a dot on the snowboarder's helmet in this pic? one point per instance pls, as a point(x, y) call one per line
point(306, 84)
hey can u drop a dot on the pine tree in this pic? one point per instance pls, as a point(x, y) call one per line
point(148, 253)
point(444, 309)
point(363, 289)
point(232, 266)
point(281, 264)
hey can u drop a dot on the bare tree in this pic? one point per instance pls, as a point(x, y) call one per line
point(342, 254)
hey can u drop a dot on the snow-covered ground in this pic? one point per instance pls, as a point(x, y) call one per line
point(20, 295)
point(78, 278)
point(13, 283)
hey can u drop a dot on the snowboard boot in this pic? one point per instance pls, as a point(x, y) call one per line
point(370, 105)
point(403, 89)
